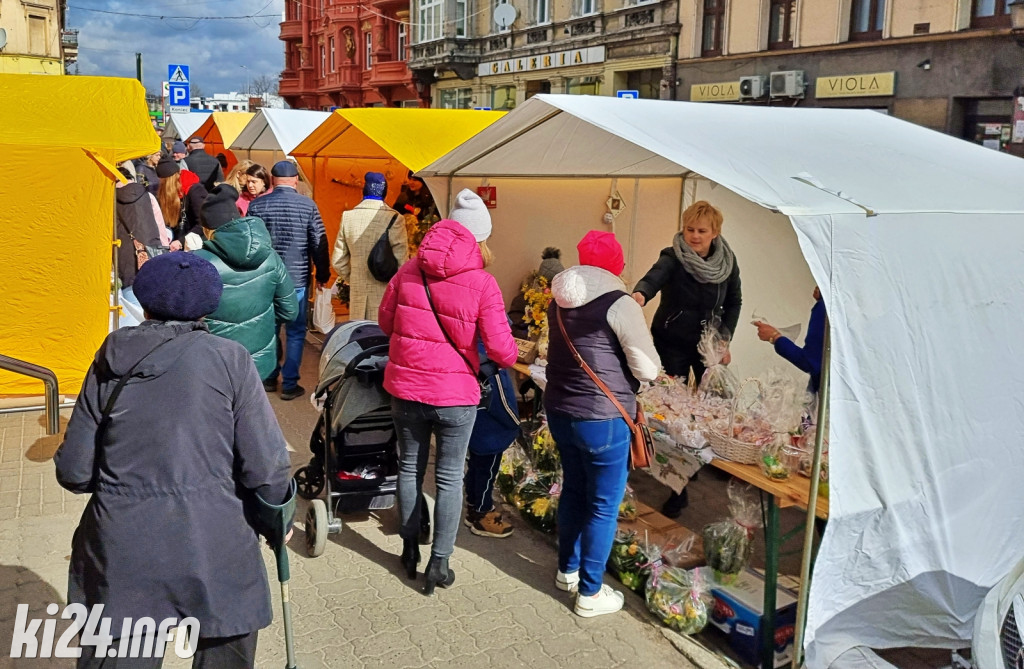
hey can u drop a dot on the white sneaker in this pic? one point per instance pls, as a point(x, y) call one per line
point(567, 582)
point(605, 601)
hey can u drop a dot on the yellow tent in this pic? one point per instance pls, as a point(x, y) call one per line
point(220, 130)
point(61, 138)
point(388, 140)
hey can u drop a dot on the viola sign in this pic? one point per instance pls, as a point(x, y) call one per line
point(725, 91)
point(856, 85)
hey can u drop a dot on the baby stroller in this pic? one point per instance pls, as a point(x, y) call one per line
point(354, 443)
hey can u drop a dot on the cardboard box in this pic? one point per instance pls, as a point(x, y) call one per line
point(672, 536)
point(738, 610)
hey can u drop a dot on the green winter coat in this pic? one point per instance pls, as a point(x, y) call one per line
point(258, 293)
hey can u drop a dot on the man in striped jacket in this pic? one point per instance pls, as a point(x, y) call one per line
point(298, 236)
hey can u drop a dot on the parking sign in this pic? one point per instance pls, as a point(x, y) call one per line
point(178, 91)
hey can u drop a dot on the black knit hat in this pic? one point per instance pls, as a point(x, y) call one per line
point(167, 167)
point(178, 286)
point(219, 207)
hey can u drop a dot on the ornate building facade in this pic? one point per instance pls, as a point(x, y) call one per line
point(348, 53)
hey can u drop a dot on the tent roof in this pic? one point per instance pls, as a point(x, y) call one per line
point(105, 115)
point(414, 137)
point(230, 125)
point(278, 129)
point(781, 158)
point(184, 125)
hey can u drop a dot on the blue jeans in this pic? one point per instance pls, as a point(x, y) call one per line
point(595, 457)
point(295, 332)
point(480, 476)
point(450, 426)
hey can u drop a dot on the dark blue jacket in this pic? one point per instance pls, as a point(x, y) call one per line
point(808, 358)
point(497, 425)
point(297, 232)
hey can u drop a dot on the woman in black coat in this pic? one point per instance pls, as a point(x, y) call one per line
point(699, 281)
point(190, 440)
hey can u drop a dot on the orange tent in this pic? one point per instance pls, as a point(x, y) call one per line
point(220, 130)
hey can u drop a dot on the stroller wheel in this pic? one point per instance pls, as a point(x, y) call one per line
point(309, 481)
point(316, 528)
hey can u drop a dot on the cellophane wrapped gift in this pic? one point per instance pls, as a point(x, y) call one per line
point(628, 509)
point(681, 549)
point(537, 499)
point(543, 451)
point(728, 544)
point(678, 597)
point(512, 471)
point(630, 560)
point(718, 379)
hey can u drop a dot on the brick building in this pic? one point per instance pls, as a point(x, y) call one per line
point(347, 53)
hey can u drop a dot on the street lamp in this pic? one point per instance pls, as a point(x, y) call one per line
point(1017, 20)
point(246, 79)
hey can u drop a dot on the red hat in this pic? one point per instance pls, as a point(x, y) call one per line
point(601, 249)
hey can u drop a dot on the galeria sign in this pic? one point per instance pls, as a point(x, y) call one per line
point(594, 54)
point(725, 91)
point(856, 85)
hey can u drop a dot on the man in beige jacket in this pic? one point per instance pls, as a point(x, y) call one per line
point(361, 227)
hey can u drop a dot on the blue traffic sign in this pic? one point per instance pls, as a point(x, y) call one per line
point(178, 95)
point(178, 89)
point(177, 74)
point(630, 95)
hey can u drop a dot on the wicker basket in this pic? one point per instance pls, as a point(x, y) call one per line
point(527, 350)
point(732, 449)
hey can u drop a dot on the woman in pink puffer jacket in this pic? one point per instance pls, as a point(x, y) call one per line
point(434, 390)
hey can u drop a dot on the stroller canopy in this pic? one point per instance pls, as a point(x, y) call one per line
point(355, 346)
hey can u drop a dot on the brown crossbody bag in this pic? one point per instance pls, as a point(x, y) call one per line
point(641, 446)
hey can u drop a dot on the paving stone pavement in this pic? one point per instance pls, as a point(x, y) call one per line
point(352, 607)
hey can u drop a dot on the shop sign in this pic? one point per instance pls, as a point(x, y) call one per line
point(594, 54)
point(725, 91)
point(489, 194)
point(856, 85)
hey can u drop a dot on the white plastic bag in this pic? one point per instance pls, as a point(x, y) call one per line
point(323, 311)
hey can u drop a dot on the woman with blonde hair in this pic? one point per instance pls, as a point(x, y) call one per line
point(435, 310)
point(237, 179)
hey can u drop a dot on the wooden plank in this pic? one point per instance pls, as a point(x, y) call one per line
point(794, 491)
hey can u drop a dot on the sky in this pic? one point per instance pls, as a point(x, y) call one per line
point(215, 50)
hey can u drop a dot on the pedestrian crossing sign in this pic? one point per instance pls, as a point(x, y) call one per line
point(177, 74)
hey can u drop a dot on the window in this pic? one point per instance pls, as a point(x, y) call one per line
point(460, 18)
point(780, 24)
point(431, 13)
point(646, 82)
point(368, 36)
point(332, 55)
point(537, 86)
point(714, 14)
point(456, 98)
point(866, 19)
point(323, 60)
point(541, 11)
point(990, 14)
point(584, 7)
point(37, 35)
point(503, 98)
point(402, 41)
point(583, 86)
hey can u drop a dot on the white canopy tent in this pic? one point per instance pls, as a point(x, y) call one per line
point(182, 126)
point(916, 240)
point(272, 134)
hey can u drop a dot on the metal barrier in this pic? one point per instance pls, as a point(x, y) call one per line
point(48, 378)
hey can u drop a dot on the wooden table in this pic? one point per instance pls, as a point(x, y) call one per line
point(794, 491)
point(522, 368)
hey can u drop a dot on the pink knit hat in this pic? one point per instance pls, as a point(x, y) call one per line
point(601, 249)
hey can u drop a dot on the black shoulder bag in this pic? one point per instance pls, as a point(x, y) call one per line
point(485, 385)
point(382, 261)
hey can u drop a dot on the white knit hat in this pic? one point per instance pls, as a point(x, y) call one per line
point(471, 212)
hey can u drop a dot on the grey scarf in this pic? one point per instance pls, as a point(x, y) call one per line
point(716, 268)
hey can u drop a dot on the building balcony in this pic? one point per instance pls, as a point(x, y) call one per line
point(291, 30)
point(69, 44)
point(390, 73)
point(289, 85)
point(459, 55)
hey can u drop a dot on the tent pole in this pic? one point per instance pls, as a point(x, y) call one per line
point(682, 201)
point(633, 225)
point(451, 200)
point(812, 501)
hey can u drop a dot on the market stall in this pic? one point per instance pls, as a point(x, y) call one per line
point(914, 239)
point(219, 130)
point(271, 134)
point(183, 126)
point(391, 141)
point(55, 243)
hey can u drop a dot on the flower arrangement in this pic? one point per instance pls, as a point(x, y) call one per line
point(537, 294)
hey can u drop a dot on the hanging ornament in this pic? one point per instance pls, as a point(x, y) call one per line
point(615, 206)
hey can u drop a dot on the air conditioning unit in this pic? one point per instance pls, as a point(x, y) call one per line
point(752, 88)
point(788, 84)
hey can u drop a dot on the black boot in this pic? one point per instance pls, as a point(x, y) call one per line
point(675, 504)
point(437, 573)
point(410, 557)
